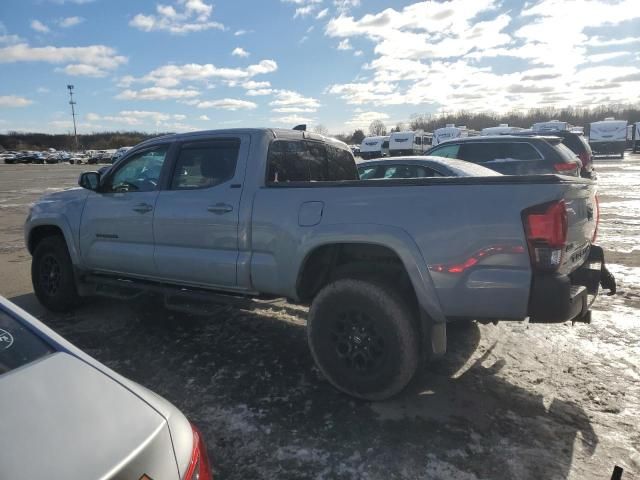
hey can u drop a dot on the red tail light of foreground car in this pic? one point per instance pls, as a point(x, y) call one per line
point(199, 467)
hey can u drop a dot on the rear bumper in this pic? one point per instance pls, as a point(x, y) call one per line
point(558, 298)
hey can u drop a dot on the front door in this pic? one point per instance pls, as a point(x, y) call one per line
point(116, 231)
point(196, 217)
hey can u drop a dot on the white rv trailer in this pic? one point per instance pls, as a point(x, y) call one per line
point(502, 129)
point(550, 126)
point(449, 132)
point(408, 143)
point(374, 147)
point(636, 137)
point(608, 137)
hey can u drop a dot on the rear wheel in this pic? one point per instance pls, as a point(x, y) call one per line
point(52, 275)
point(363, 338)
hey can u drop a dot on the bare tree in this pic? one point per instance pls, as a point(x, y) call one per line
point(398, 128)
point(377, 128)
point(321, 129)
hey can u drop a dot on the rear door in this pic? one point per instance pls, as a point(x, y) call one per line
point(116, 229)
point(196, 217)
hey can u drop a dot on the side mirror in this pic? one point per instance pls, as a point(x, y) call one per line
point(89, 180)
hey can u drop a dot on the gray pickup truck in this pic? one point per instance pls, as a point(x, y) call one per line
point(383, 264)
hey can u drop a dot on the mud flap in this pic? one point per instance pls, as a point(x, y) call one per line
point(607, 280)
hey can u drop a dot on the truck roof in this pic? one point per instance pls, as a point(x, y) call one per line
point(282, 133)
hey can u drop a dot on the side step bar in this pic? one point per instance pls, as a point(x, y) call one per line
point(194, 301)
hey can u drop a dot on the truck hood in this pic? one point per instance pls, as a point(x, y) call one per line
point(73, 193)
point(64, 419)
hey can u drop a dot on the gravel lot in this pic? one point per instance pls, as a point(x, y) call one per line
point(509, 401)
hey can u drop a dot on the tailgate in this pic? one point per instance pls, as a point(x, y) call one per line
point(582, 219)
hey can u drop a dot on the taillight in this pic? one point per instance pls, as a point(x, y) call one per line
point(566, 167)
point(199, 467)
point(546, 229)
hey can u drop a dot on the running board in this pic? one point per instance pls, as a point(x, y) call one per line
point(195, 301)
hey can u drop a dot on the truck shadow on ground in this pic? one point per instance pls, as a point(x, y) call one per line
point(246, 378)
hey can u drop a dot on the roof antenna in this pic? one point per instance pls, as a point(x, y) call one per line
point(302, 127)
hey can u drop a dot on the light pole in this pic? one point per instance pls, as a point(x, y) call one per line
point(73, 114)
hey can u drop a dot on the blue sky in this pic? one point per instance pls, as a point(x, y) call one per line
point(177, 65)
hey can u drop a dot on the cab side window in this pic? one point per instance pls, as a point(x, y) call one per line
point(205, 164)
point(139, 173)
point(308, 161)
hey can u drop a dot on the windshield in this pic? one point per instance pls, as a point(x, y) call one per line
point(18, 345)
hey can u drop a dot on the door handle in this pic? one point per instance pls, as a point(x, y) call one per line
point(220, 208)
point(142, 208)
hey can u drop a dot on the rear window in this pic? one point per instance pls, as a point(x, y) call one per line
point(564, 152)
point(305, 161)
point(483, 152)
point(18, 345)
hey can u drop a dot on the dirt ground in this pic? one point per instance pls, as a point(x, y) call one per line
point(509, 401)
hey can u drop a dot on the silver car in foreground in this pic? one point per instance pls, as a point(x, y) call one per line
point(421, 167)
point(65, 416)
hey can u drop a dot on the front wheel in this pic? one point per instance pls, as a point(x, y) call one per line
point(363, 338)
point(52, 275)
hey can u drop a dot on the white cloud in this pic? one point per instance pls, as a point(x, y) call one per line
point(158, 93)
point(82, 70)
point(240, 32)
point(294, 110)
point(358, 53)
point(240, 52)
point(38, 26)
point(228, 104)
point(101, 58)
point(428, 53)
point(12, 101)
point(289, 98)
point(70, 21)
point(204, 118)
point(256, 92)
point(173, 75)
point(251, 84)
point(345, 5)
point(43, 90)
point(322, 13)
point(344, 45)
point(363, 119)
point(304, 11)
point(188, 16)
point(142, 119)
point(290, 120)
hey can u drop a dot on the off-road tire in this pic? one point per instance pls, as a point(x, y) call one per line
point(363, 338)
point(52, 275)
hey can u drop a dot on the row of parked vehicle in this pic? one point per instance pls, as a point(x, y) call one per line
point(608, 137)
point(52, 156)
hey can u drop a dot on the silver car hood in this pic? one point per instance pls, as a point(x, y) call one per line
point(61, 418)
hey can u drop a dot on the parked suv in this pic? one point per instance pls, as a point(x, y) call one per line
point(513, 155)
point(578, 144)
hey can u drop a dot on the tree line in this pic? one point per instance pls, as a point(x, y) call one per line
point(91, 141)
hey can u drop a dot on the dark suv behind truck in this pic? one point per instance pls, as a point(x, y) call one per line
point(513, 155)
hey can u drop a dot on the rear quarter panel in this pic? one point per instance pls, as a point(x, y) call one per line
point(436, 227)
